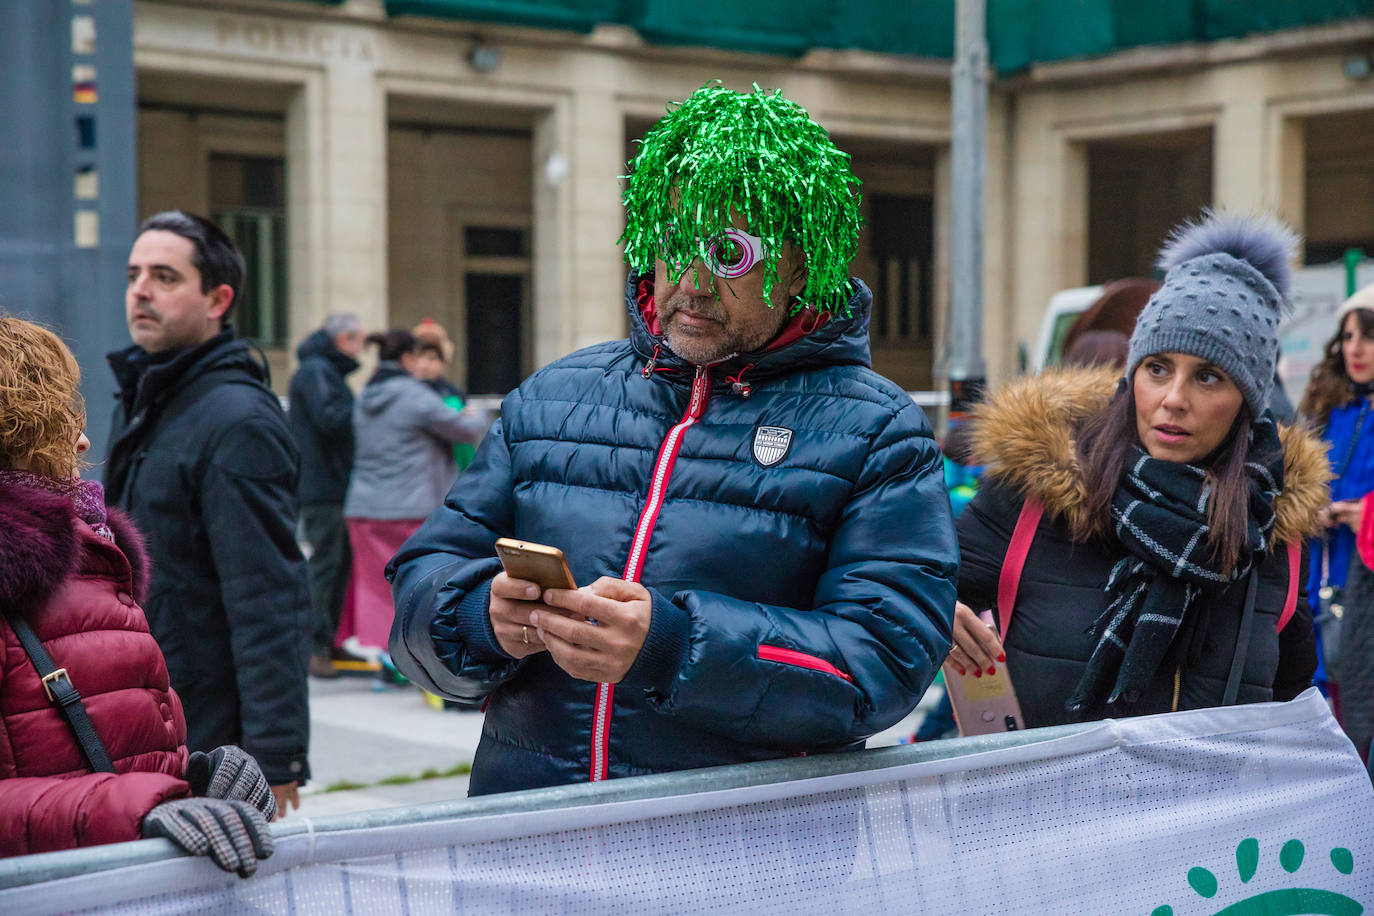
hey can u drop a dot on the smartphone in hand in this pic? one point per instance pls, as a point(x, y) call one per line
point(983, 705)
point(538, 563)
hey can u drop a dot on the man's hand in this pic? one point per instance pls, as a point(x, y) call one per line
point(512, 602)
point(284, 794)
point(602, 651)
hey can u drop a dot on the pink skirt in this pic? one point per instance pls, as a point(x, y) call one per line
point(368, 611)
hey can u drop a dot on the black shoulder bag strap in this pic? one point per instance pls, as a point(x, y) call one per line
point(58, 686)
point(1247, 618)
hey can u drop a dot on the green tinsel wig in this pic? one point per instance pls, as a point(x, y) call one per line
point(756, 154)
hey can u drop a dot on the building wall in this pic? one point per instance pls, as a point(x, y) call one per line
point(340, 67)
point(440, 182)
point(1254, 104)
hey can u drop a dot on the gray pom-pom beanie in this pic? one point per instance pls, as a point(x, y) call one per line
point(1225, 289)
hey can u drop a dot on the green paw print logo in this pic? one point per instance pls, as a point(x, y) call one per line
point(1290, 901)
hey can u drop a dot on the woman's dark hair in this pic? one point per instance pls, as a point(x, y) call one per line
point(1099, 348)
point(213, 253)
point(1329, 386)
point(392, 345)
point(1104, 444)
point(429, 346)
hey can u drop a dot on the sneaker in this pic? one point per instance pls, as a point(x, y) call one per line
point(340, 654)
point(321, 666)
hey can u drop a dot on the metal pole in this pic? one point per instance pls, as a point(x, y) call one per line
point(964, 363)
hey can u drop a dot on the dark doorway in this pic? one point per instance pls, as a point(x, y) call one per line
point(495, 306)
point(1139, 188)
point(901, 238)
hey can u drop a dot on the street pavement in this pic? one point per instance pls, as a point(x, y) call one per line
point(384, 739)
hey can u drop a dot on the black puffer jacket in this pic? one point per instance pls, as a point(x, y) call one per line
point(786, 510)
point(322, 419)
point(1025, 436)
point(201, 457)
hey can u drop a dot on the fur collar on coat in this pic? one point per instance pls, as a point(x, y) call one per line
point(1024, 434)
point(40, 545)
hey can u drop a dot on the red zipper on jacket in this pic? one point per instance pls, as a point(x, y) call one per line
point(639, 548)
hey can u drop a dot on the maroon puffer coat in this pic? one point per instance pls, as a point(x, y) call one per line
point(80, 594)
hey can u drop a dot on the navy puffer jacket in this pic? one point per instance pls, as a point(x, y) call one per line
point(801, 601)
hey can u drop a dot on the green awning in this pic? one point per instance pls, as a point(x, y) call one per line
point(572, 15)
point(1021, 33)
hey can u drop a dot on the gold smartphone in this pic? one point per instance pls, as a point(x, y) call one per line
point(538, 563)
point(983, 705)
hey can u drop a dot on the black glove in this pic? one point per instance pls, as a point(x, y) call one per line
point(230, 772)
point(232, 833)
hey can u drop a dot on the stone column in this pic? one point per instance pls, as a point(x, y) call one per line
point(597, 158)
point(336, 168)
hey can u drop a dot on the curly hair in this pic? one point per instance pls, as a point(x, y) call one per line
point(42, 413)
point(756, 154)
point(1329, 386)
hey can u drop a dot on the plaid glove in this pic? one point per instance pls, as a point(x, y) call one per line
point(230, 772)
point(232, 833)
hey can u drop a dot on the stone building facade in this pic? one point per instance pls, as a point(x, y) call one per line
point(404, 167)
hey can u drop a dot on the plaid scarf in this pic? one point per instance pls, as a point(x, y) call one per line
point(1160, 515)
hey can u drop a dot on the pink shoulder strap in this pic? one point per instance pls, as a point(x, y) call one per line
point(1290, 603)
point(1015, 561)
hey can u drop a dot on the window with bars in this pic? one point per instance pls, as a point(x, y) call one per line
point(248, 201)
point(901, 231)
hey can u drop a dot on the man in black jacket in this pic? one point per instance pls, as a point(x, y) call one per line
point(201, 457)
point(321, 414)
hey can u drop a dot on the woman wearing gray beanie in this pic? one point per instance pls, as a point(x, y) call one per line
point(1162, 514)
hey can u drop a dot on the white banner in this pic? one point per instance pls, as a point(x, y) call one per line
point(1251, 810)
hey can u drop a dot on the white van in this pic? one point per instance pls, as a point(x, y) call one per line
point(1318, 292)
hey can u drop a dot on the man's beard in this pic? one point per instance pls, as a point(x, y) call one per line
point(700, 346)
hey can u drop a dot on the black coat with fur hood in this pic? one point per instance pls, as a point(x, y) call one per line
point(1024, 436)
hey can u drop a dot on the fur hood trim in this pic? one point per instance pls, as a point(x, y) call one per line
point(130, 540)
point(1024, 434)
point(40, 546)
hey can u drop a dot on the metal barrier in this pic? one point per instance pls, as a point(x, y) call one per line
point(51, 866)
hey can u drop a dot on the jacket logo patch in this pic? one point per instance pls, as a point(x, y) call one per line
point(771, 444)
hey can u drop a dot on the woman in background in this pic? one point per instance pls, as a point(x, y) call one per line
point(402, 469)
point(1337, 403)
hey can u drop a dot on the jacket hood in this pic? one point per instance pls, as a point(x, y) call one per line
point(808, 339)
point(386, 389)
point(40, 546)
point(1024, 436)
point(319, 344)
point(143, 376)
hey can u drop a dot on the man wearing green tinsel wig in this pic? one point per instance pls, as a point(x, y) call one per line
point(756, 519)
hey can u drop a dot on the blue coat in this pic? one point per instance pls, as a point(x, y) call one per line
point(802, 578)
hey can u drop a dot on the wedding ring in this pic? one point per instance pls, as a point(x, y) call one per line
point(525, 635)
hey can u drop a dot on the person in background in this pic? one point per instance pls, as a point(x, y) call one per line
point(1337, 403)
point(1174, 508)
point(962, 471)
point(201, 456)
point(1098, 348)
point(435, 339)
point(72, 576)
point(321, 416)
point(402, 469)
